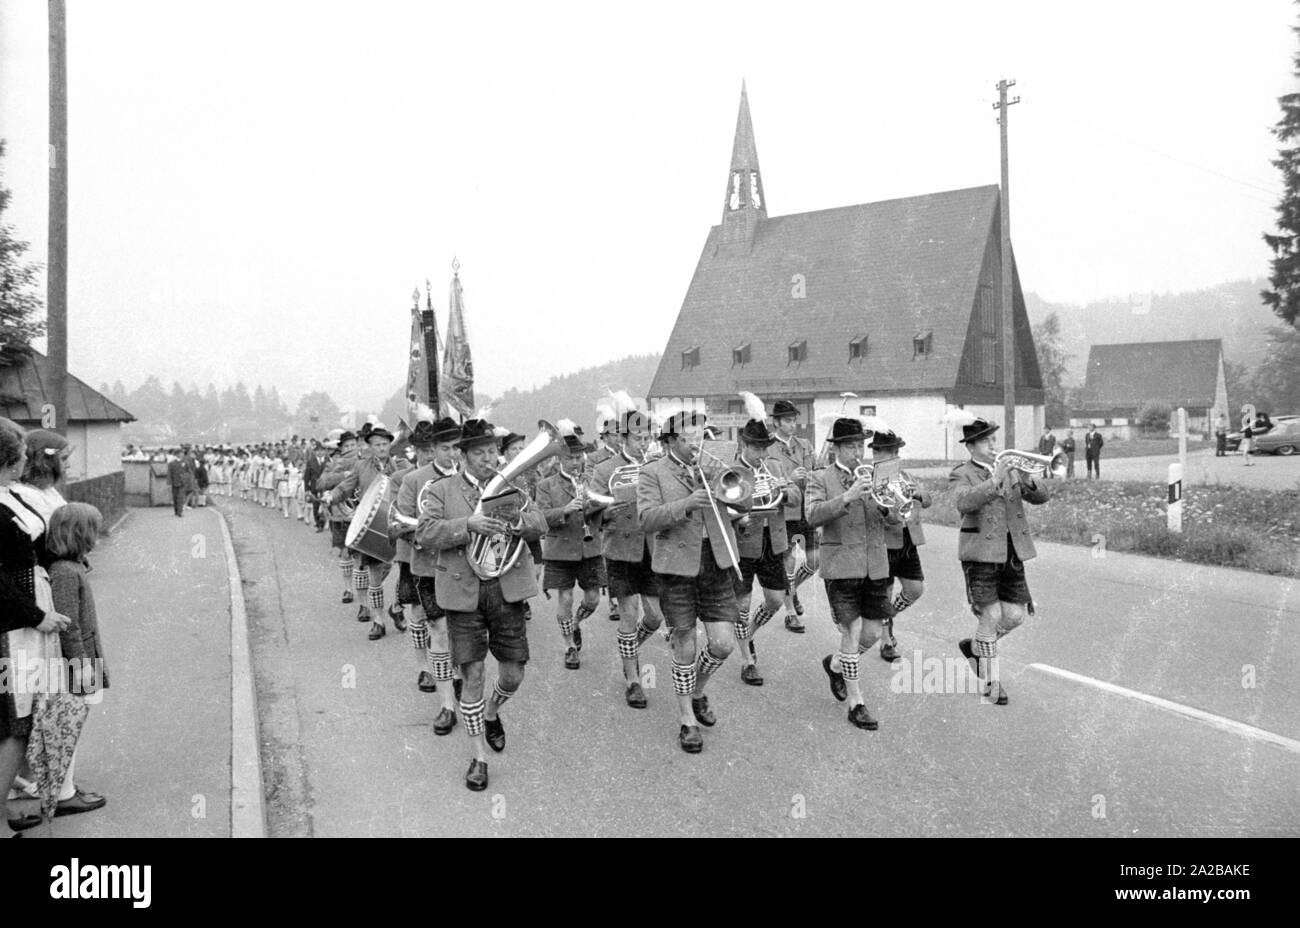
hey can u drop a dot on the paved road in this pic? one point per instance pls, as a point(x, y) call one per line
point(158, 744)
point(1063, 759)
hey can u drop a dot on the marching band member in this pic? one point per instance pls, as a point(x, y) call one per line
point(993, 545)
point(607, 446)
point(760, 537)
point(370, 573)
point(856, 565)
point(436, 454)
point(482, 615)
point(692, 564)
point(626, 550)
point(798, 460)
point(570, 548)
point(903, 540)
point(338, 514)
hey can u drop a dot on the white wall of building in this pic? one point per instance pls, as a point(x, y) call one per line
point(97, 449)
point(1030, 422)
point(918, 419)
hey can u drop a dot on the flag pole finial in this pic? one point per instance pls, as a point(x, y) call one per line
point(416, 296)
point(455, 265)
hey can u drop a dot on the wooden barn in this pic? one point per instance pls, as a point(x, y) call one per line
point(897, 301)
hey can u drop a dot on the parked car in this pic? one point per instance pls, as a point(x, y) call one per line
point(1282, 438)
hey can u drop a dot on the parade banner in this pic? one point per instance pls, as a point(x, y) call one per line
point(422, 365)
point(457, 365)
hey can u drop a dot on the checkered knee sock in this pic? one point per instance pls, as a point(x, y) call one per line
point(742, 631)
point(642, 633)
point(584, 611)
point(566, 626)
point(375, 598)
point(419, 632)
point(500, 695)
point(471, 714)
point(848, 666)
point(440, 663)
point(706, 664)
point(360, 579)
point(345, 565)
point(901, 602)
point(802, 574)
point(628, 645)
point(761, 616)
point(684, 679)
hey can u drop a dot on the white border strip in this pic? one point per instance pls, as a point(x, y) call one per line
point(1214, 721)
point(247, 811)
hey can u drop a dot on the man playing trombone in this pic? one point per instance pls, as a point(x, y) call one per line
point(855, 560)
point(695, 561)
point(993, 544)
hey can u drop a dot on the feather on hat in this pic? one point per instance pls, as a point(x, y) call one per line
point(754, 407)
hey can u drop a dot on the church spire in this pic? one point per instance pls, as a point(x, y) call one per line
point(745, 205)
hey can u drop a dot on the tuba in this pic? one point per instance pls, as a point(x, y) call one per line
point(491, 556)
point(1036, 465)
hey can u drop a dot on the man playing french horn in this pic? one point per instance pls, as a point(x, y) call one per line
point(482, 614)
point(855, 561)
point(632, 582)
point(570, 547)
point(436, 459)
point(694, 557)
point(993, 544)
point(760, 535)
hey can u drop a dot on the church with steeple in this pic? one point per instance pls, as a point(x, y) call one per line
point(897, 301)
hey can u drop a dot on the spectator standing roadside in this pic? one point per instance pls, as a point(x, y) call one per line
point(1068, 447)
point(176, 477)
point(1247, 443)
point(1092, 444)
point(1047, 443)
point(1221, 436)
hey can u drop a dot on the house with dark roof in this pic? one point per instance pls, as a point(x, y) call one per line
point(94, 469)
point(897, 301)
point(1121, 379)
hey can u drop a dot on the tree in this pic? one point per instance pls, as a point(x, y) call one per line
point(318, 406)
point(1276, 384)
point(210, 420)
point(1284, 298)
point(1052, 361)
point(21, 305)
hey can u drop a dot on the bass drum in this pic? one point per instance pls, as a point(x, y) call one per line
point(368, 531)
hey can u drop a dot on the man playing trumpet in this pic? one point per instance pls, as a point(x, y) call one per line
point(993, 545)
point(855, 561)
point(761, 535)
point(693, 562)
point(626, 550)
point(570, 549)
point(903, 539)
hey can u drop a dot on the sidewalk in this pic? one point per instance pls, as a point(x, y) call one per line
point(158, 744)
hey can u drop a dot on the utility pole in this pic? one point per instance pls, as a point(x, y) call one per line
point(1008, 291)
point(56, 281)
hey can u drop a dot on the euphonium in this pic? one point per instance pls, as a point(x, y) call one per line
point(1036, 465)
point(490, 557)
point(623, 477)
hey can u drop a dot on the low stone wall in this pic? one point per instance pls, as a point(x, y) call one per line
point(106, 493)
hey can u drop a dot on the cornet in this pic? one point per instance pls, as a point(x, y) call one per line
point(1036, 465)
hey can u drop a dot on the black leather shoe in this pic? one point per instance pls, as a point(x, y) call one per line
point(888, 652)
point(363, 614)
point(398, 617)
point(476, 777)
point(860, 717)
point(456, 686)
point(636, 696)
point(700, 706)
point(426, 683)
point(793, 624)
point(347, 596)
point(798, 606)
point(571, 661)
point(377, 631)
point(528, 611)
point(690, 739)
point(749, 674)
point(838, 688)
point(613, 614)
point(969, 653)
point(577, 636)
point(444, 722)
point(996, 694)
point(24, 822)
point(495, 733)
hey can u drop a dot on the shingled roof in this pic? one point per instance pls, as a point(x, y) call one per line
point(24, 390)
point(891, 270)
point(1183, 373)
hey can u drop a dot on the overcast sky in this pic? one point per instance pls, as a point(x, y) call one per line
point(257, 187)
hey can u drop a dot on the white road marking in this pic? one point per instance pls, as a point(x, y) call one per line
point(1215, 721)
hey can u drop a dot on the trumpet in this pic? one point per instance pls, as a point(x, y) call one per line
point(895, 494)
point(1036, 465)
point(584, 496)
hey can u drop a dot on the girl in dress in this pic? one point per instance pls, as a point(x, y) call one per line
point(282, 484)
